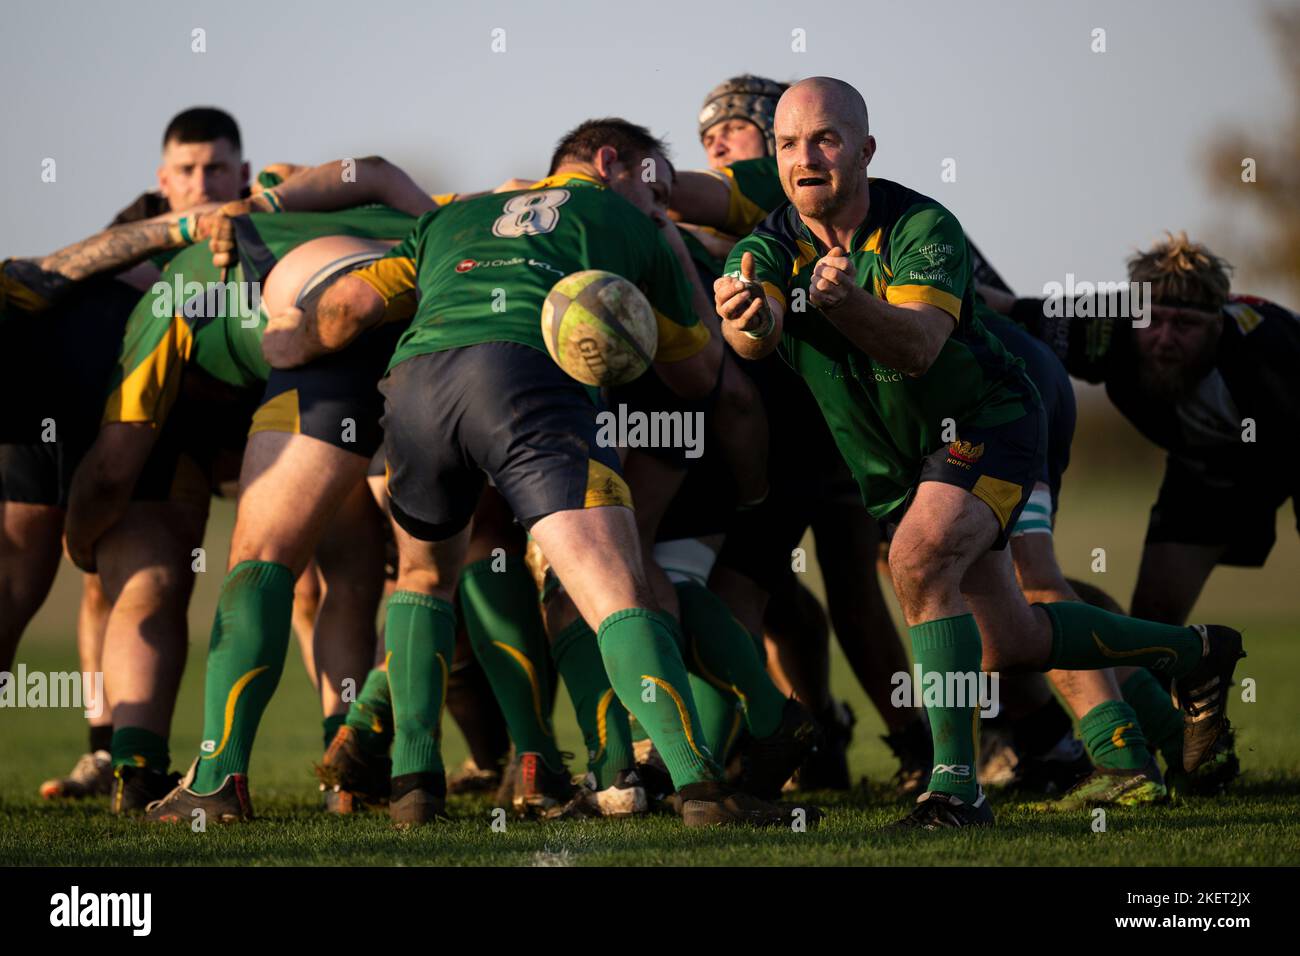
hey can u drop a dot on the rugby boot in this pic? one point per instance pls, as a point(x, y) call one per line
point(536, 788)
point(936, 810)
point(350, 776)
point(91, 776)
point(417, 799)
point(134, 788)
point(1116, 788)
point(229, 803)
point(768, 762)
point(712, 804)
point(625, 797)
point(1202, 693)
point(1213, 776)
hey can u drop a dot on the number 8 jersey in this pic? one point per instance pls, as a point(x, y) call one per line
point(478, 271)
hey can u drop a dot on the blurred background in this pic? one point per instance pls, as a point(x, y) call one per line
point(1067, 160)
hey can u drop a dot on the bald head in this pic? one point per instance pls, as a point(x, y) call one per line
point(823, 146)
point(830, 97)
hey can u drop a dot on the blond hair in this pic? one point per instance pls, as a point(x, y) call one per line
point(1182, 272)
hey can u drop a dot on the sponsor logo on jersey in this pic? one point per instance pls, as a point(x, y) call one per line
point(466, 265)
point(965, 451)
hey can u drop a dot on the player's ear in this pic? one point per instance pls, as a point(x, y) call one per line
point(868, 150)
point(604, 159)
point(162, 178)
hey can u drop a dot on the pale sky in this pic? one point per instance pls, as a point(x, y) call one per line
point(1066, 159)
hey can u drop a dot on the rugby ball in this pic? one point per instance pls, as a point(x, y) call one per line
point(599, 328)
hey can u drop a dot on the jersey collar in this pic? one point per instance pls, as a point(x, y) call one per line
point(563, 179)
point(864, 236)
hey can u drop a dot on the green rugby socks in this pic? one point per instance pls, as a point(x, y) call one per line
point(506, 633)
point(1114, 737)
point(137, 747)
point(951, 645)
point(601, 715)
point(371, 715)
point(250, 637)
point(722, 652)
point(1087, 638)
point(420, 637)
point(1161, 722)
point(641, 652)
point(721, 716)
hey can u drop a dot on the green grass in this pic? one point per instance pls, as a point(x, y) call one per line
point(1109, 489)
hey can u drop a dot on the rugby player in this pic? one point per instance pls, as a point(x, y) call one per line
point(865, 285)
point(510, 412)
point(66, 298)
point(1045, 755)
point(810, 485)
point(188, 382)
point(201, 163)
point(300, 451)
point(1209, 363)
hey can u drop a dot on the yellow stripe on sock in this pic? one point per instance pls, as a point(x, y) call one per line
point(681, 711)
point(527, 665)
point(706, 673)
point(1117, 738)
point(231, 700)
point(1109, 652)
point(602, 722)
point(442, 701)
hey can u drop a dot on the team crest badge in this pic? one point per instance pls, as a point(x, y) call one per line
point(966, 451)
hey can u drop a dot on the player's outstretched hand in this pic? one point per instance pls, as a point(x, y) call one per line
point(833, 280)
point(740, 300)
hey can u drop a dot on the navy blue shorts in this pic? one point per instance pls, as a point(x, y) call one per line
point(501, 411)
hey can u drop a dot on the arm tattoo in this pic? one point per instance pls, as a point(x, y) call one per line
point(110, 250)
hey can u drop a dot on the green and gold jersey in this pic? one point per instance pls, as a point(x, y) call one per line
point(753, 191)
point(192, 318)
point(909, 249)
point(479, 270)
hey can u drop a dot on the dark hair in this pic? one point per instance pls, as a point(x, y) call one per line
point(579, 145)
point(203, 124)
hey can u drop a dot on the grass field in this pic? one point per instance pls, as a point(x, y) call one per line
point(1108, 491)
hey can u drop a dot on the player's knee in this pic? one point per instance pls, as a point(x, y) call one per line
point(428, 581)
point(922, 569)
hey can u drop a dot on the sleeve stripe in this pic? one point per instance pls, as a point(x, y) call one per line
point(775, 293)
point(898, 294)
point(678, 342)
point(394, 279)
point(743, 214)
